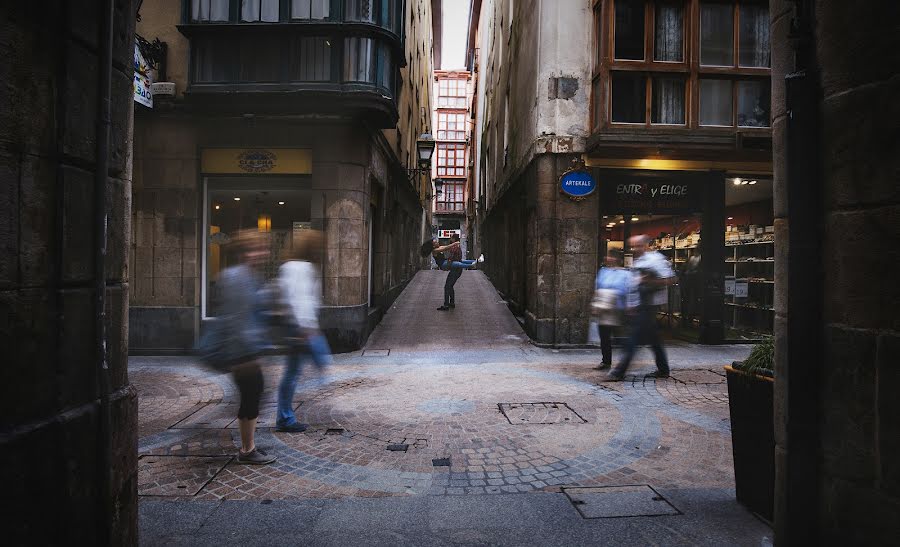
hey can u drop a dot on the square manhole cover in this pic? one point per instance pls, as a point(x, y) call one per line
point(540, 413)
point(177, 475)
point(619, 501)
point(376, 352)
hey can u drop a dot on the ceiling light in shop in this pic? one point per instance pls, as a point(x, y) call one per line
point(280, 203)
point(737, 182)
point(621, 222)
point(730, 218)
point(752, 182)
point(237, 199)
point(634, 219)
point(745, 182)
point(218, 207)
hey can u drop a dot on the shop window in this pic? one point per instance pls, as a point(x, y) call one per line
point(716, 34)
point(209, 11)
point(279, 209)
point(753, 102)
point(754, 36)
point(668, 38)
point(716, 102)
point(629, 97)
point(359, 60)
point(259, 11)
point(629, 30)
point(310, 9)
point(668, 101)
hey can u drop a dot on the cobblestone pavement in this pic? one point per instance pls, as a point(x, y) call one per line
point(498, 416)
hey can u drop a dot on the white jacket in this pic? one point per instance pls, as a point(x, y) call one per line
point(300, 285)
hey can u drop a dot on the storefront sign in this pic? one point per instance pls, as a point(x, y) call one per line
point(577, 184)
point(274, 161)
point(657, 195)
point(445, 234)
point(142, 80)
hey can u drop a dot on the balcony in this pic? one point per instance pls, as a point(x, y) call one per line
point(452, 207)
point(340, 58)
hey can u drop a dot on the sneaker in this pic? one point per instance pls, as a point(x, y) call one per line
point(443, 308)
point(480, 258)
point(658, 374)
point(612, 377)
point(255, 457)
point(295, 427)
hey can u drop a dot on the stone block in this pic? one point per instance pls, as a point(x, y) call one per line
point(190, 232)
point(168, 291)
point(888, 413)
point(350, 262)
point(78, 224)
point(117, 334)
point(37, 191)
point(348, 207)
point(120, 112)
point(857, 282)
point(118, 228)
point(161, 328)
point(167, 231)
point(167, 262)
point(330, 291)
point(349, 177)
point(351, 291)
point(9, 220)
point(190, 262)
point(782, 265)
point(863, 142)
point(79, 137)
point(352, 234)
point(25, 328)
point(162, 173)
point(851, 56)
point(848, 397)
point(78, 369)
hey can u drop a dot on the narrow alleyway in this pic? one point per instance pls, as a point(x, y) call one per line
point(480, 319)
point(464, 431)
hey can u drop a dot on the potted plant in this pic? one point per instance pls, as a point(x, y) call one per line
point(750, 391)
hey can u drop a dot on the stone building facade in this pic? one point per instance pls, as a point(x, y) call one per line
point(631, 112)
point(451, 164)
point(283, 120)
point(68, 425)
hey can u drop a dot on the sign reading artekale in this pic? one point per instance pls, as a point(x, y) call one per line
point(142, 81)
point(577, 184)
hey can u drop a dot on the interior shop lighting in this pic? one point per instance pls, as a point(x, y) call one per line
point(745, 182)
point(621, 222)
point(634, 219)
point(730, 218)
point(737, 182)
point(237, 199)
point(218, 207)
point(280, 203)
point(752, 182)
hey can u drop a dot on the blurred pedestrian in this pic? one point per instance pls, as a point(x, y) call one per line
point(652, 274)
point(242, 335)
point(299, 286)
point(610, 293)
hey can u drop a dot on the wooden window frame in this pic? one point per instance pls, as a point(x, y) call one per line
point(606, 66)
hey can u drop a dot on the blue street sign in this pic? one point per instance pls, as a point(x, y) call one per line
point(577, 184)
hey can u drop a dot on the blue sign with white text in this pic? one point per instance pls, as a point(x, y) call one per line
point(577, 184)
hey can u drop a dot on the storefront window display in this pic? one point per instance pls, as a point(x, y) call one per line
point(278, 207)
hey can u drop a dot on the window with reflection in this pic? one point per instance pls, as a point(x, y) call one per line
point(629, 30)
point(310, 9)
point(210, 11)
point(451, 126)
point(264, 11)
point(359, 60)
point(359, 10)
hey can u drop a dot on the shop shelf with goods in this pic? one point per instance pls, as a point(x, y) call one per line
point(750, 280)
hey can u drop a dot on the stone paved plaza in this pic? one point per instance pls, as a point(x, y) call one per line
point(455, 404)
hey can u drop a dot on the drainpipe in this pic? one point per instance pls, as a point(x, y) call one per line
point(104, 435)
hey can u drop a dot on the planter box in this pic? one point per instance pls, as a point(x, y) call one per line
point(752, 440)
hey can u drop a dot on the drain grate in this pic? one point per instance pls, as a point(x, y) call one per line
point(639, 500)
point(540, 413)
point(177, 475)
point(376, 352)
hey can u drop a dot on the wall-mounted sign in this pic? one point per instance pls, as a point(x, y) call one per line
point(268, 161)
point(577, 184)
point(667, 193)
point(142, 80)
point(445, 234)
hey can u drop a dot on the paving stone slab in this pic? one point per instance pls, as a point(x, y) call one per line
point(619, 501)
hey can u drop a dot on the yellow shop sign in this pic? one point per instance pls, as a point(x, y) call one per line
point(262, 161)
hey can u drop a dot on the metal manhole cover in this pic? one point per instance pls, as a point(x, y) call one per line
point(602, 502)
point(540, 413)
point(376, 352)
point(177, 475)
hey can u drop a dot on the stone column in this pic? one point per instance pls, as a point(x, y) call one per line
point(49, 416)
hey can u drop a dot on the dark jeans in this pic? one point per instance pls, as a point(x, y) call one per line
point(449, 294)
point(606, 343)
point(644, 331)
